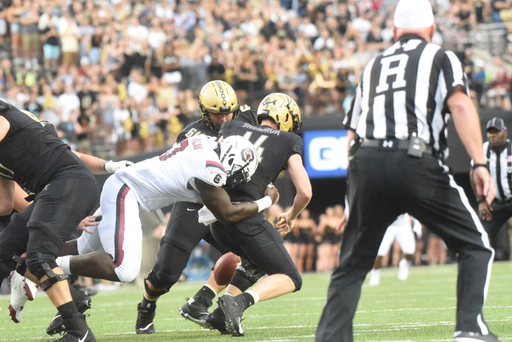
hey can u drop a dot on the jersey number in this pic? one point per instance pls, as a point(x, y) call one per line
point(192, 133)
point(387, 70)
point(257, 144)
point(177, 148)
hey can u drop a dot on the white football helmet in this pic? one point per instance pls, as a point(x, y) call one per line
point(239, 158)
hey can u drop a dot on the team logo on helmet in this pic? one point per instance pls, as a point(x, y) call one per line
point(247, 154)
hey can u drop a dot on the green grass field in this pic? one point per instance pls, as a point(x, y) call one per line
point(419, 309)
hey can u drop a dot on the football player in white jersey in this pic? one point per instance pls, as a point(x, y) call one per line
point(194, 170)
point(402, 230)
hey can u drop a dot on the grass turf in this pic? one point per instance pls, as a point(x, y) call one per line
point(419, 309)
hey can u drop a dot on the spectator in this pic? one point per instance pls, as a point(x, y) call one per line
point(478, 82)
point(69, 33)
point(32, 105)
point(136, 89)
point(496, 7)
point(3, 25)
point(68, 105)
point(51, 49)
point(13, 18)
point(88, 99)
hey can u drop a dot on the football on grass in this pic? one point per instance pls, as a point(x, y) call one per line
point(225, 268)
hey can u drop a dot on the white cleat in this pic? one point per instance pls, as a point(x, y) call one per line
point(403, 269)
point(22, 289)
point(374, 277)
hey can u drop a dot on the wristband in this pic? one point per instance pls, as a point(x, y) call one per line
point(479, 165)
point(263, 203)
point(481, 201)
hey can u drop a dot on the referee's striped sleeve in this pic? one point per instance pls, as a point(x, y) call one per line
point(453, 73)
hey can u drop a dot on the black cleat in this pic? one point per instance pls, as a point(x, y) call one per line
point(468, 336)
point(145, 319)
point(216, 321)
point(196, 310)
point(233, 310)
point(82, 302)
point(76, 330)
point(89, 291)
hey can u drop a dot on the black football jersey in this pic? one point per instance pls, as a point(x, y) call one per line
point(247, 114)
point(274, 149)
point(28, 150)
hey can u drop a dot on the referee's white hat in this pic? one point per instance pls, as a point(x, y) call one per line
point(412, 14)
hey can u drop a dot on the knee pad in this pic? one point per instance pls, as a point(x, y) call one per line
point(246, 275)
point(35, 264)
point(53, 277)
point(153, 293)
point(162, 279)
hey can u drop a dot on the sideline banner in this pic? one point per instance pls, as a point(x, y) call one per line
point(325, 153)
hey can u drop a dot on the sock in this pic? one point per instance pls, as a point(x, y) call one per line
point(207, 293)
point(254, 295)
point(67, 310)
point(248, 299)
point(148, 304)
point(63, 263)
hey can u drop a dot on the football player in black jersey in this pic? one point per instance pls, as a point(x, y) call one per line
point(218, 103)
point(15, 234)
point(256, 239)
point(65, 192)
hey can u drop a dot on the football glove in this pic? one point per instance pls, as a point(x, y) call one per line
point(111, 166)
point(206, 216)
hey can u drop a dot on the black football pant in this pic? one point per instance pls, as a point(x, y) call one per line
point(382, 185)
point(501, 212)
point(182, 235)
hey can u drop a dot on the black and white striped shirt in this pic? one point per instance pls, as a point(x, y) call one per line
point(500, 168)
point(403, 91)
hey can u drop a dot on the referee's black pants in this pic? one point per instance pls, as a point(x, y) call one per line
point(501, 213)
point(382, 185)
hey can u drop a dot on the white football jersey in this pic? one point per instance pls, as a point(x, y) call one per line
point(161, 181)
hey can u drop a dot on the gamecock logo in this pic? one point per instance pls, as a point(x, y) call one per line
point(247, 154)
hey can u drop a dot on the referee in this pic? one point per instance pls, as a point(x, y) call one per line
point(397, 130)
point(498, 152)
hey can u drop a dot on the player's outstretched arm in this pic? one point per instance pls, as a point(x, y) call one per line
point(100, 166)
point(218, 202)
point(302, 184)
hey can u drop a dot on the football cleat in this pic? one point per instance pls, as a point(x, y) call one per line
point(89, 291)
point(22, 289)
point(145, 317)
point(217, 321)
point(233, 310)
point(82, 302)
point(195, 310)
point(76, 330)
point(468, 336)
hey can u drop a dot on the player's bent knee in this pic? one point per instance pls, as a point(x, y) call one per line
point(296, 279)
point(163, 279)
point(128, 270)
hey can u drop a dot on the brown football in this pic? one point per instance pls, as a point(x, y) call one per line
point(225, 268)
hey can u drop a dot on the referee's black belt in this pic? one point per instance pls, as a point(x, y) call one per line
point(503, 201)
point(392, 144)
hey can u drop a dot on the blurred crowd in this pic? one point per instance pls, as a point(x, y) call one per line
point(120, 76)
